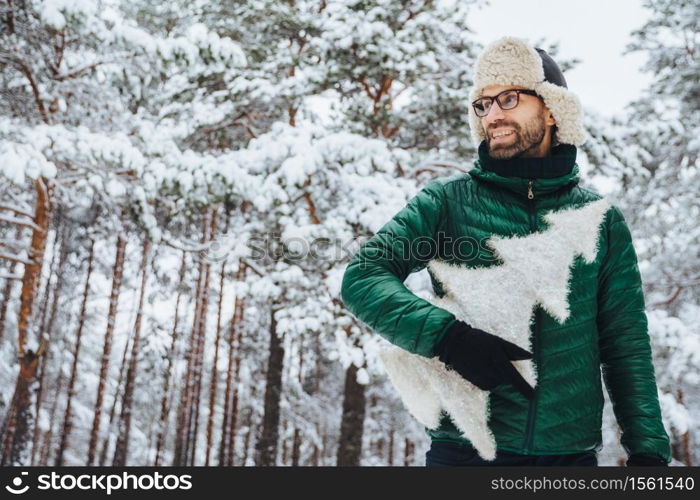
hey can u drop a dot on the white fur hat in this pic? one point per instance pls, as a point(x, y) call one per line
point(511, 61)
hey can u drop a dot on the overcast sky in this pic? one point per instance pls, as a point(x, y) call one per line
point(594, 31)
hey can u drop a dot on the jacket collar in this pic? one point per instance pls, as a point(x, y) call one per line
point(548, 174)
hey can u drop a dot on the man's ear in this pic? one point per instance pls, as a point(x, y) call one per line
point(550, 119)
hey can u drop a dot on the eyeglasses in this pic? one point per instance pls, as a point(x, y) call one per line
point(508, 99)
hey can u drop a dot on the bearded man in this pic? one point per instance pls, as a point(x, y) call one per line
point(526, 125)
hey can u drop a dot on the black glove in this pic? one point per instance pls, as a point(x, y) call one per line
point(482, 358)
point(646, 460)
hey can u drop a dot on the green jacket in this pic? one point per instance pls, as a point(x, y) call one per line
point(607, 328)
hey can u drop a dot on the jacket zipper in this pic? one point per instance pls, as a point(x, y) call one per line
point(532, 410)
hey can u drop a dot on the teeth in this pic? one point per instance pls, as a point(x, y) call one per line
point(501, 134)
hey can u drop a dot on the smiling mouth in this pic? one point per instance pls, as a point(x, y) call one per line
point(499, 135)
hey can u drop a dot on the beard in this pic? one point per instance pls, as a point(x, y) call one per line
point(526, 138)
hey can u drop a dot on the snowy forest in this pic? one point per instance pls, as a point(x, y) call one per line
point(183, 183)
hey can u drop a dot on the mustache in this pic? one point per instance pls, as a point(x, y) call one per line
point(515, 126)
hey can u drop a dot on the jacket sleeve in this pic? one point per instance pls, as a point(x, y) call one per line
point(372, 287)
point(625, 350)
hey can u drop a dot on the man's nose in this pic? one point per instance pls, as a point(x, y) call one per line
point(495, 113)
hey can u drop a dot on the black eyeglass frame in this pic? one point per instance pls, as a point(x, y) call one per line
point(497, 99)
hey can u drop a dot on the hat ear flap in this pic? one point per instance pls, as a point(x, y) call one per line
point(566, 110)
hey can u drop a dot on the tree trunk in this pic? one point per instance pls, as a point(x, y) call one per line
point(18, 417)
point(390, 459)
point(231, 443)
point(314, 456)
point(352, 422)
point(7, 291)
point(47, 328)
point(107, 349)
point(685, 438)
point(32, 271)
point(228, 427)
point(296, 436)
point(266, 447)
point(164, 407)
point(201, 335)
point(18, 420)
point(408, 453)
point(285, 445)
point(51, 273)
point(214, 372)
point(184, 444)
point(67, 418)
point(182, 424)
point(193, 419)
point(117, 392)
point(121, 450)
point(296, 447)
point(246, 441)
point(48, 437)
point(6, 294)
point(317, 389)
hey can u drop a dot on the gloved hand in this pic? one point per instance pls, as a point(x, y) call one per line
point(483, 358)
point(645, 460)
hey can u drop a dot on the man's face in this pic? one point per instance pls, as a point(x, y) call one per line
point(527, 126)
